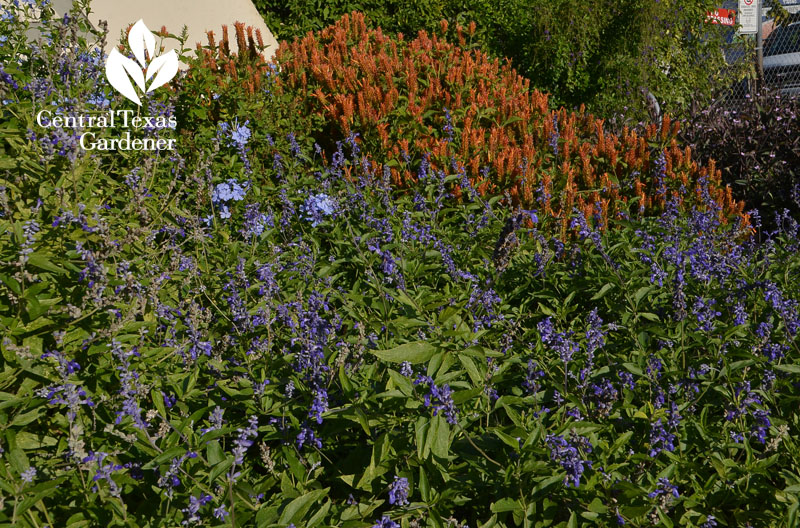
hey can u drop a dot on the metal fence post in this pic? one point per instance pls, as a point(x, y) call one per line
point(759, 45)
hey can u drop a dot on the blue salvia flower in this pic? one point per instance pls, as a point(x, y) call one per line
point(169, 479)
point(660, 439)
point(169, 401)
point(259, 387)
point(484, 304)
point(673, 416)
point(705, 313)
point(104, 472)
point(389, 265)
point(216, 420)
point(255, 222)
point(568, 455)
point(221, 512)
point(553, 140)
point(196, 346)
point(195, 503)
point(385, 522)
point(440, 398)
point(406, 370)
point(352, 141)
point(664, 488)
point(739, 314)
point(319, 405)
point(29, 230)
point(534, 373)
point(448, 125)
point(398, 493)
point(604, 396)
point(242, 443)
point(654, 367)
point(130, 385)
point(661, 175)
point(8, 79)
point(764, 330)
point(294, 147)
point(595, 337)
point(711, 522)
point(557, 341)
point(775, 351)
point(28, 475)
point(307, 436)
point(762, 424)
point(627, 379)
point(68, 393)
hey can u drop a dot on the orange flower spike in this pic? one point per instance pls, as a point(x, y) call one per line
point(665, 125)
point(527, 194)
point(474, 169)
point(712, 166)
point(604, 215)
point(588, 211)
point(601, 140)
point(241, 41)
point(676, 127)
point(728, 198)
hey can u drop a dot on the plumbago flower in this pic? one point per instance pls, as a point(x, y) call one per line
point(223, 193)
point(318, 206)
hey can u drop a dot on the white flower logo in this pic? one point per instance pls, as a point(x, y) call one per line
point(119, 67)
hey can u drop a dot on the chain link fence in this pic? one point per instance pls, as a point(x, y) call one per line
point(741, 57)
point(780, 43)
point(782, 58)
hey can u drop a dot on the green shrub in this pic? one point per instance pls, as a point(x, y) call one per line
point(244, 332)
point(462, 111)
point(605, 55)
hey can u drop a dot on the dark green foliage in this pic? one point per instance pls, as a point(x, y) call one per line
point(310, 347)
point(757, 148)
point(605, 54)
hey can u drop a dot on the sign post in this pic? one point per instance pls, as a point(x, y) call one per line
point(759, 45)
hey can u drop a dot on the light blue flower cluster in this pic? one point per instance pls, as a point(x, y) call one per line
point(238, 135)
point(318, 206)
point(226, 192)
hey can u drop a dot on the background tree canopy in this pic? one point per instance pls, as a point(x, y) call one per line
point(605, 54)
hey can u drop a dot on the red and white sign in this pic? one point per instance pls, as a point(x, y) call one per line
point(725, 17)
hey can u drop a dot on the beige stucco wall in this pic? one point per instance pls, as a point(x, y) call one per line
point(198, 15)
